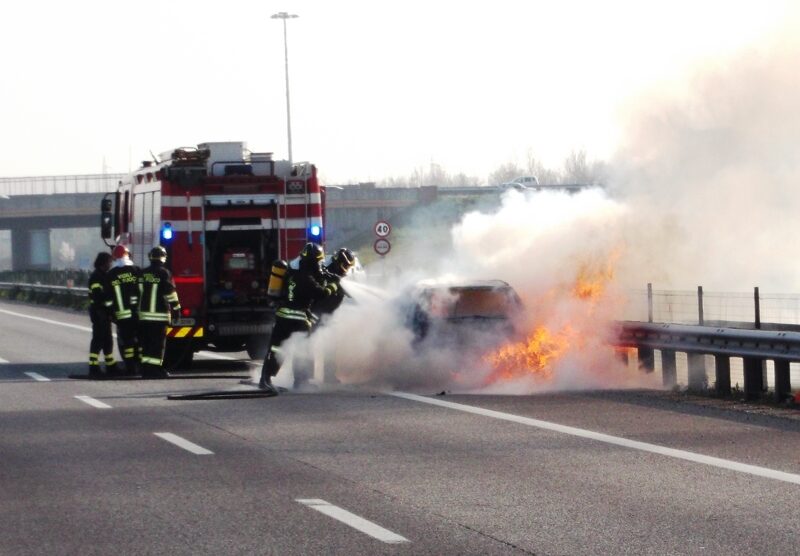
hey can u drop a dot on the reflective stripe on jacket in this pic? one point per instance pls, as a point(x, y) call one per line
point(158, 295)
point(123, 290)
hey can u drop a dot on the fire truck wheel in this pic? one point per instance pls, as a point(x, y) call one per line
point(178, 355)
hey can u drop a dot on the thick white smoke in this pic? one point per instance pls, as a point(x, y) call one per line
point(711, 174)
point(557, 250)
point(704, 192)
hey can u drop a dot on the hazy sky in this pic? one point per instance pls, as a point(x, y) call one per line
point(377, 88)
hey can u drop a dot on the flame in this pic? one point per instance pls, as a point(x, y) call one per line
point(531, 356)
point(539, 352)
point(592, 279)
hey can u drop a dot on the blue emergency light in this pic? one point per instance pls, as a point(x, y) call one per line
point(166, 232)
point(315, 233)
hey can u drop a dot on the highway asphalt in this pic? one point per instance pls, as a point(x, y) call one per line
point(114, 467)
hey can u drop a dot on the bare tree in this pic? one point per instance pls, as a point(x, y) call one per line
point(578, 169)
point(543, 174)
point(434, 175)
point(506, 172)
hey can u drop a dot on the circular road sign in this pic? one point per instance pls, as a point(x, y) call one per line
point(382, 228)
point(382, 246)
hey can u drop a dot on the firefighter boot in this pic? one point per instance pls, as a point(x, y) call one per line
point(112, 368)
point(266, 385)
point(94, 367)
point(267, 372)
point(94, 372)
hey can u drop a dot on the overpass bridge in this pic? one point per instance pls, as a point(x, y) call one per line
point(32, 207)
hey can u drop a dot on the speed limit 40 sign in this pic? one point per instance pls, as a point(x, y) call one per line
point(382, 228)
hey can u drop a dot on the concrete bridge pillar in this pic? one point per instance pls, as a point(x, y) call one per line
point(30, 249)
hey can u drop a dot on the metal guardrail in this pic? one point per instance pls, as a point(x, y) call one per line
point(712, 341)
point(755, 347)
point(44, 288)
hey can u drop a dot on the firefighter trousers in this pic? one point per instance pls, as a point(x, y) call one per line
point(102, 339)
point(152, 339)
point(280, 333)
point(128, 345)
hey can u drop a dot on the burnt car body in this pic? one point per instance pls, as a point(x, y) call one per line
point(463, 313)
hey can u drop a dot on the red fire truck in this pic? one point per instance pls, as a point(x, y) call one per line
point(224, 214)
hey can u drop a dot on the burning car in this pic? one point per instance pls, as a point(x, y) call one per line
point(463, 313)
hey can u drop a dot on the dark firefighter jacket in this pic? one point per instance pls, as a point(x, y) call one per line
point(123, 290)
point(159, 298)
point(332, 274)
point(98, 291)
point(302, 290)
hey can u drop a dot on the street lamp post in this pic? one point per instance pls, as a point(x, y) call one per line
point(284, 16)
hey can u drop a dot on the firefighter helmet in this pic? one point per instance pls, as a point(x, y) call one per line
point(158, 253)
point(311, 256)
point(120, 251)
point(345, 259)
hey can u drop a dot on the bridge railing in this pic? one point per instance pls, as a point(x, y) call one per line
point(49, 185)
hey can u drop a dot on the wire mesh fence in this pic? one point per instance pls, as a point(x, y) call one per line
point(751, 309)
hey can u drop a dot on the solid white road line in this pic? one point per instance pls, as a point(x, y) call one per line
point(48, 321)
point(93, 402)
point(365, 526)
point(37, 377)
point(608, 439)
point(183, 443)
point(206, 354)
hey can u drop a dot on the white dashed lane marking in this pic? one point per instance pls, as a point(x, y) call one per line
point(48, 321)
point(356, 522)
point(183, 443)
point(37, 377)
point(608, 439)
point(93, 402)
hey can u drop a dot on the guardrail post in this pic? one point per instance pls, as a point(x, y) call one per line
point(757, 305)
point(649, 302)
point(647, 359)
point(722, 371)
point(753, 378)
point(783, 387)
point(669, 366)
point(700, 319)
point(697, 371)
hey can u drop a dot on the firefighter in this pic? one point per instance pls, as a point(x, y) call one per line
point(159, 306)
point(100, 315)
point(123, 291)
point(304, 286)
point(341, 263)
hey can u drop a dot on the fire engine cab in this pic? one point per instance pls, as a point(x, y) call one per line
point(224, 214)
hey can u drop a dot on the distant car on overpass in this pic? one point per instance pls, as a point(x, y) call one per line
point(520, 183)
